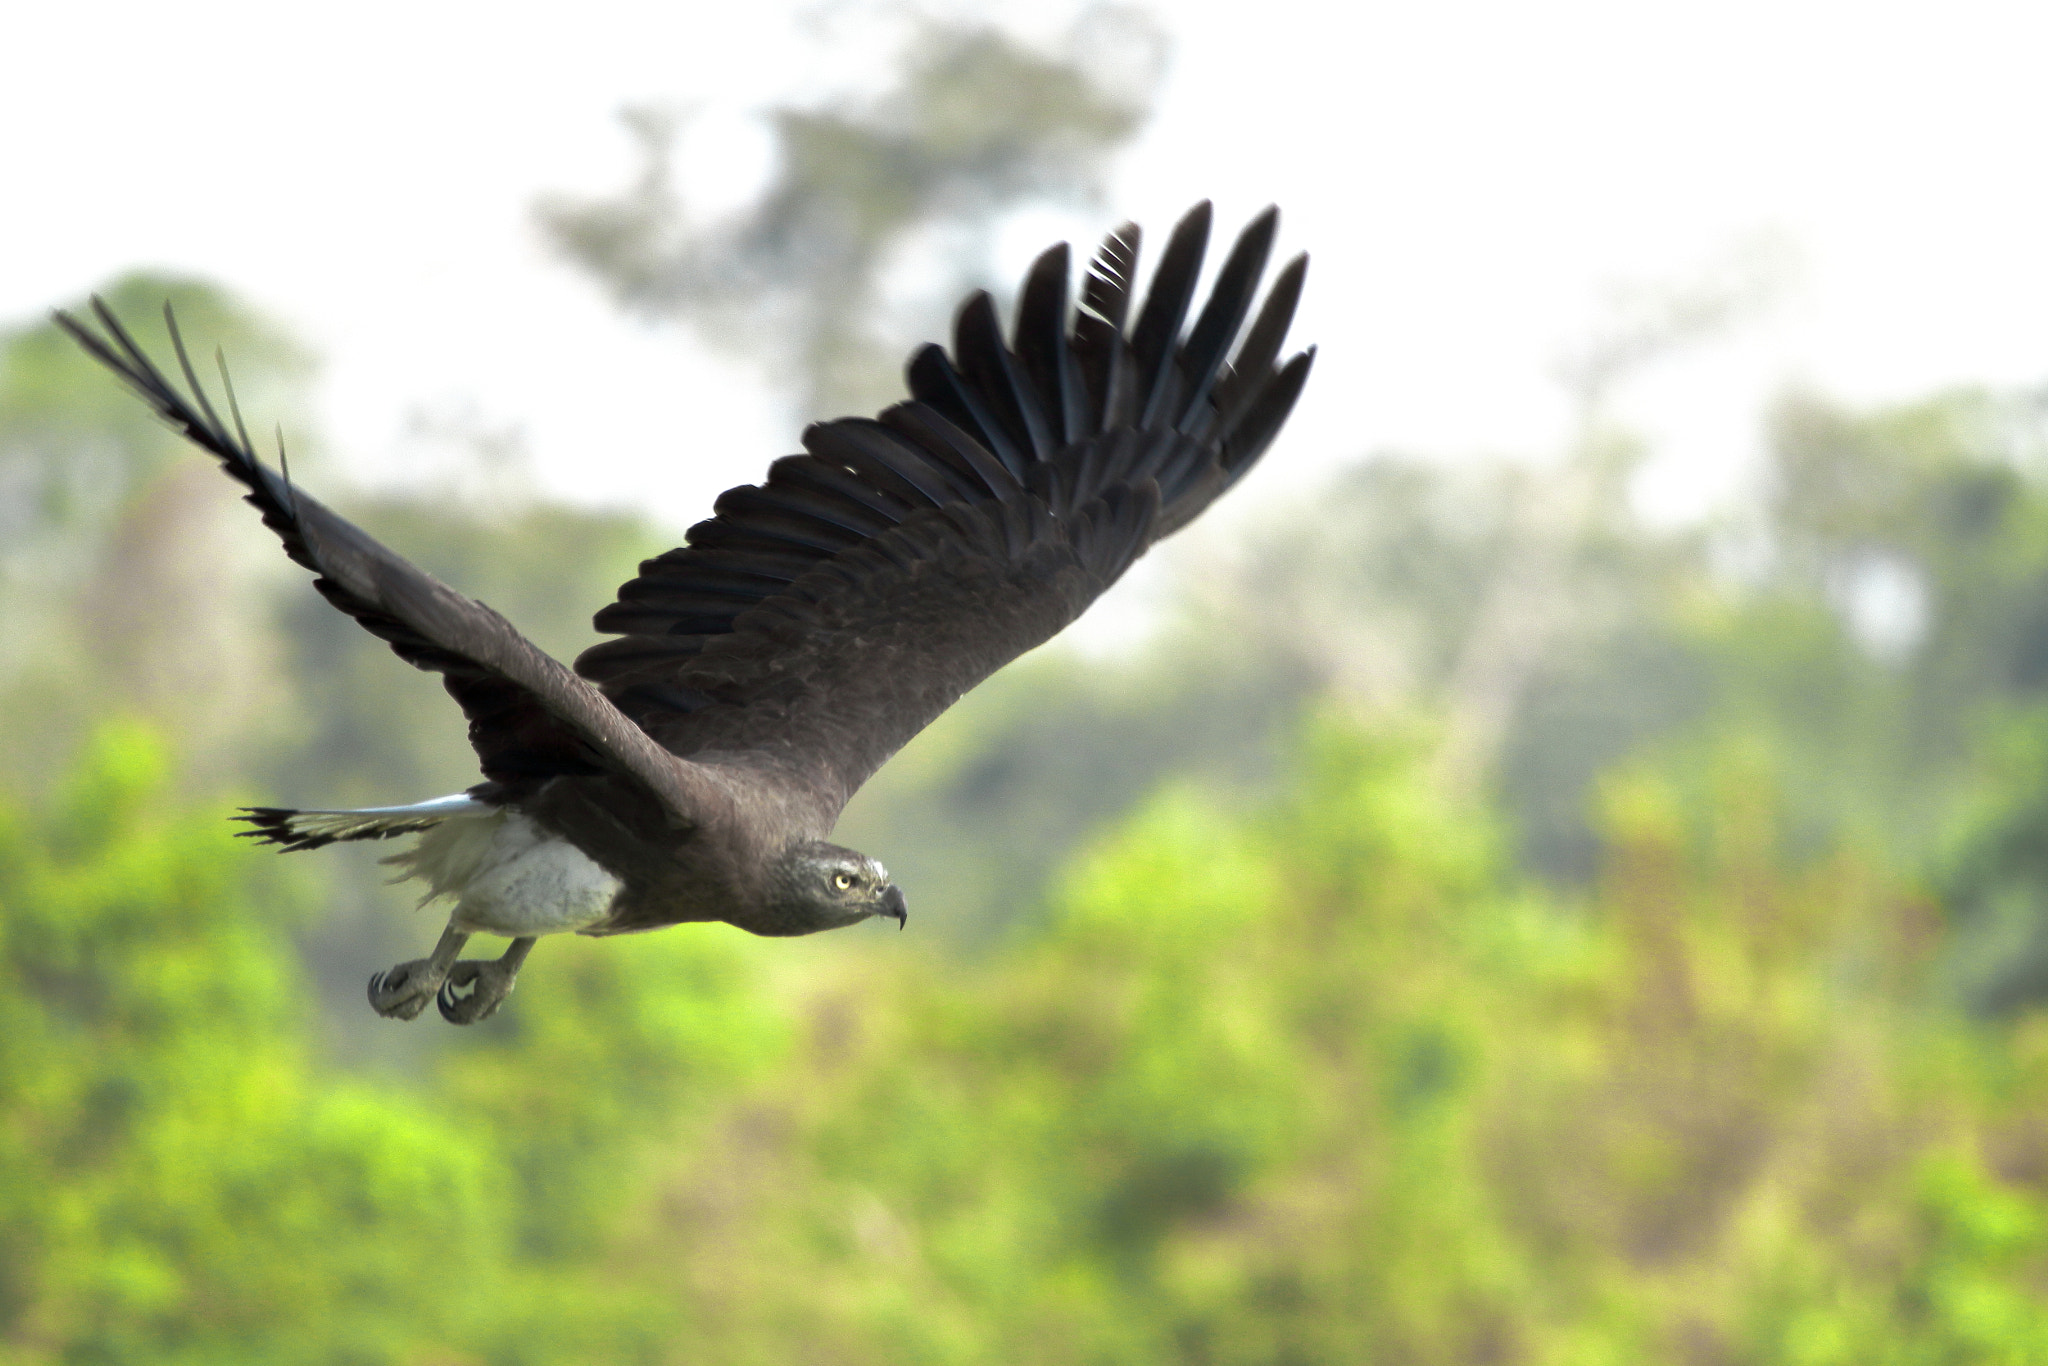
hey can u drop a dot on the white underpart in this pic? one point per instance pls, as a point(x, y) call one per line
point(508, 876)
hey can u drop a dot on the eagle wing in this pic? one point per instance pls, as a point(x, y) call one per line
point(530, 717)
point(823, 618)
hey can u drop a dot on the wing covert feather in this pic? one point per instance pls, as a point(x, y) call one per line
point(824, 682)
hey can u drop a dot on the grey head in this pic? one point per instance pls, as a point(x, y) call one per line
point(818, 886)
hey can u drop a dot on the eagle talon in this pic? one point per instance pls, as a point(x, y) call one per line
point(474, 988)
point(403, 992)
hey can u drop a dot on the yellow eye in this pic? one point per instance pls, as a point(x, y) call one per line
point(842, 880)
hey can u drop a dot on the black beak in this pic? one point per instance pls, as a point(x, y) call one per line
point(893, 905)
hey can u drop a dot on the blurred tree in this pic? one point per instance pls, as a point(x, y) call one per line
point(1568, 524)
point(975, 125)
point(114, 555)
point(181, 1182)
point(1380, 588)
point(1320, 1083)
point(1922, 531)
point(175, 1183)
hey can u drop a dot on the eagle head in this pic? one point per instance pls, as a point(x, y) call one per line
point(819, 886)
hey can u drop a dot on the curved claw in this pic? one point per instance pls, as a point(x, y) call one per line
point(473, 990)
point(403, 992)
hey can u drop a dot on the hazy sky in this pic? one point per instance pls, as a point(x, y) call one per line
point(1472, 180)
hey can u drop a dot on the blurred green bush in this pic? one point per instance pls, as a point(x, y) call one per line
point(182, 1181)
point(1321, 1081)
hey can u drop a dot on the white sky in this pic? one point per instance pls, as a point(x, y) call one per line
point(1469, 177)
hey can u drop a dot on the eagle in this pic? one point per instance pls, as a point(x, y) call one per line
point(692, 768)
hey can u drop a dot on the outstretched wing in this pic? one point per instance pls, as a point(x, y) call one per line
point(529, 716)
point(823, 618)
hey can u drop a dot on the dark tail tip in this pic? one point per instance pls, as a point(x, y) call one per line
point(273, 825)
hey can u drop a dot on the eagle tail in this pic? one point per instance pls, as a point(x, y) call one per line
point(316, 829)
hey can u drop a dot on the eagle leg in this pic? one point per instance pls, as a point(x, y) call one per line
point(403, 992)
point(476, 987)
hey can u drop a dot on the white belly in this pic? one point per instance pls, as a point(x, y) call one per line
point(510, 877)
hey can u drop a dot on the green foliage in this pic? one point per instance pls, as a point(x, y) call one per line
point(1319, 1081)
point(176, 1185)
point(1321, 1085)
point(182, 1181)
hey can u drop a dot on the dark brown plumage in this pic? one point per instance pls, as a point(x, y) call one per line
point(692, 768)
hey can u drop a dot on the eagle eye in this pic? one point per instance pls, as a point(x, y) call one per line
point(842, 880)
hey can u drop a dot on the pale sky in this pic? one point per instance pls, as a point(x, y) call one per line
point(1470, 178)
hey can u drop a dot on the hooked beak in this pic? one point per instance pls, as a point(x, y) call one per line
point(894, 905)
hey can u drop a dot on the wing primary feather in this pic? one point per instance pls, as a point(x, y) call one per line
point(135, 369)
point(934, 380)
point(134, 366)
point(824, 477)
point(1260, 423)
point(823, 505)
point(695, 595)
point(841, 443)
point(1100, 352)
point(733, 566)
point(780, 554)
point(1017, 525)
point(979, 343)
point(1229, 300)
point(1099, 356)
point(227, 384)
point(934, 434)
point(1041, 344)
point(987, 364)
point(1166, 305)
point(667, 619)
point(710, 568)
point(138, 359)
point(191, 376)
point(1120, 406)
point(284, 470)
point(1252, 367)
point(867, 441)
point(752, 510)
point(1107, 291)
